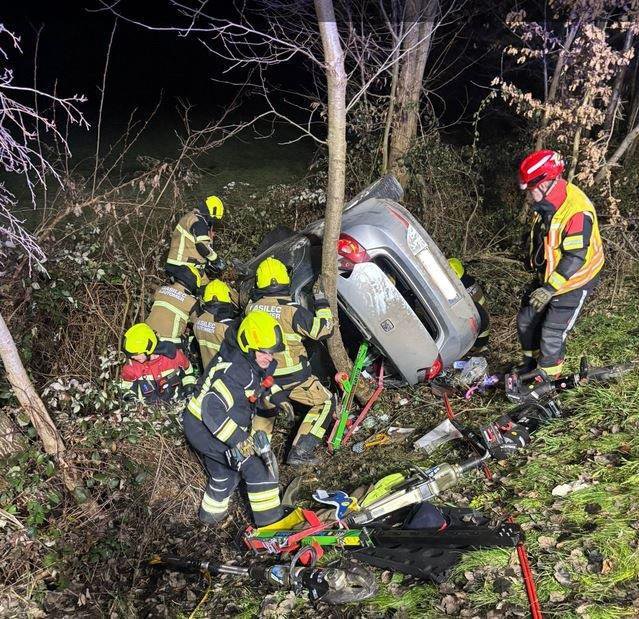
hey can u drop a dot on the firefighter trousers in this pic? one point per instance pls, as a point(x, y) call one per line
point(309, 392)
point(262, 490)
point(543, 334)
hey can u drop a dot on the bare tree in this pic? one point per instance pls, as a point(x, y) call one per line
point(21, 153)
point(420, 25)
point(336, 81)
point(262, 35)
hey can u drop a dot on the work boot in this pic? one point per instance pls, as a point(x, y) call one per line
point(527, 365)
point(212, 519)
point(302, 452)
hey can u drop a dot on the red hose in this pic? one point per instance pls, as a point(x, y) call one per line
point(529, 580)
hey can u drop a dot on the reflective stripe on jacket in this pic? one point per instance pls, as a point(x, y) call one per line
point(297, 323)
point(557, 242)
point(171, 312)
point(190, 242)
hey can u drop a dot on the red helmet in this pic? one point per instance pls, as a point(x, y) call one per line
point(540, 166)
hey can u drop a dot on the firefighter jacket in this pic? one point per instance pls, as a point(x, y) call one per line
point(210, 328)
point(297, 323)
point(191, 242)
point(225, 398)
point(171, 312)
point(159, 378)
point(565, 246)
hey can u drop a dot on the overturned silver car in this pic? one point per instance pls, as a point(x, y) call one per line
point(395, 288)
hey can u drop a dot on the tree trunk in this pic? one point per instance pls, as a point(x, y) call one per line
point(627, 142)
point(420, 20)
point(617, 87)
point(336, 83)
point(33, 405)
point(390, 113)
point(554, 84)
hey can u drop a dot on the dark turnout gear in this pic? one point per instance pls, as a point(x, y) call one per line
point(218, 419)
point(543, 334)
point(566, 251)
point(171, 312)
point(165, 374)
point(293, 373)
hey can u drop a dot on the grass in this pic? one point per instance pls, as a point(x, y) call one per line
point(598, 442)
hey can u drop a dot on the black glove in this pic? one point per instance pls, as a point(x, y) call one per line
point(214, 267)
point(238, 455)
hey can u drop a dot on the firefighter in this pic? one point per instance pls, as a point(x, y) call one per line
point(218, 420)
point(174, 304)
point(566, 253)
point(217, 312)
point(155, 371)
point(474, 289)
point(293, 373)
point(192, 239)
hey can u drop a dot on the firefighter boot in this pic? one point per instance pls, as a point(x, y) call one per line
point(302, 452)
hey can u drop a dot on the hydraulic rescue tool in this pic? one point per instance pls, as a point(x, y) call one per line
point(331, 585)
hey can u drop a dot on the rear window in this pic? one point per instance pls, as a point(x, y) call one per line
point(410, 297)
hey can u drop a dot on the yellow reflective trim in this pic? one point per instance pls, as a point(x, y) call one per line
point(482, 301)
point(324, 312)
point(288, 369)
point(265, 500)
point(552, 370)
point(212, 506)
point(195, 403)
point(293, 337)
point(189, 379)
point(556, 280)
point(265, 506)
point(215, 347)
point(223, 390)
point(225, 431)
point(264, 495)
point(317, 429)
point(484, 333)
point(171, 308)
point(531, 353)
point(573, 242)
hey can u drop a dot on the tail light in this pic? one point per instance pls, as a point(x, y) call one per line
point(435, 369)
point(350, 252)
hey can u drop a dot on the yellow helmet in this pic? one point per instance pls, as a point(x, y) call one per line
point(140, 339)
point(457, 266)
point(271, 271)
point(260, 331)
point(215, 207)
point(216, 290)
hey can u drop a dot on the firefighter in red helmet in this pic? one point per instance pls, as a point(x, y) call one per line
point(566, 254)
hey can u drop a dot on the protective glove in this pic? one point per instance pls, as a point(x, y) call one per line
point(319, 294)
point(238, 455)
point(540, 298)
point(215, 267)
